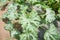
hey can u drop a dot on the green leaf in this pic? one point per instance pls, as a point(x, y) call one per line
point(11, 13)
point(50, 15)
point(28, 36)
point(30, 22)
point(9, 27)
point(3, 2)
point(58, 15)
point(26, 19)
point(51, 33)
point(15, 33)
point(59, 10)
point(58, 1)
point(51, 1)
point(33, 1)
point(23, 7)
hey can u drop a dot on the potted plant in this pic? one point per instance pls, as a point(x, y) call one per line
point(31, 19)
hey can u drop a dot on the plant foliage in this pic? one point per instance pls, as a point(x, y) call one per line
point(23, 18)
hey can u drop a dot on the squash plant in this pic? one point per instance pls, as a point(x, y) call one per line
point(24, 18)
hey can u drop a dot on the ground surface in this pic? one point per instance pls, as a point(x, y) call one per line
point(3, 33)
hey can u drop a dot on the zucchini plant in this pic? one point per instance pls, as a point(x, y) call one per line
point(23, 18)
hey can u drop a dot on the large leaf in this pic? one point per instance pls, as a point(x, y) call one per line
point(50, 15)
point(11, 13)
point(28, 36)
point(51, 33)
point(31, 18)
point(30, 22)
